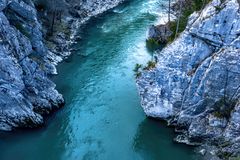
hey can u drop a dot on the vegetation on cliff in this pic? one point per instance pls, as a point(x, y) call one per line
point(183, 9)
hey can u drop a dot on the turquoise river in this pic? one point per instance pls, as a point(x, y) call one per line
point(102, 118)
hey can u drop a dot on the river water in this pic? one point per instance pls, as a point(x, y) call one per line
point(102, 118)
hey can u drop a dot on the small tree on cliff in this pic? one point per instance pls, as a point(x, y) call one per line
point(169, 11)
point(178, 17)
point(167, 7)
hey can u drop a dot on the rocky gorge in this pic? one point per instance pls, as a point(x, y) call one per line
point(26, 92)
point(195, 83)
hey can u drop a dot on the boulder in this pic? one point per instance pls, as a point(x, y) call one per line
point(160, 33)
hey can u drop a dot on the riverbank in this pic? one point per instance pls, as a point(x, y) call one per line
point(27, 58)
point(102, 117)
point(66, 30)
point(194, 85)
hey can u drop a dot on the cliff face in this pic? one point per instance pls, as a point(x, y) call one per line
point(25, 90)
point(196, 83)
point(78, 12)
point(26, 93)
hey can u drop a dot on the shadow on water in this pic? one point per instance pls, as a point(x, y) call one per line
point(27, 144)
point(154, 140)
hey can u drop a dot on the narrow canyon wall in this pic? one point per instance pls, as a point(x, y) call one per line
point(196, 83)
point(26, 93)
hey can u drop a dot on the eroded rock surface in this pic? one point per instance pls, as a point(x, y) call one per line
point(26, 93)
point(196, 83)
point(79, 11)
point(25, 90)
point(160, 33)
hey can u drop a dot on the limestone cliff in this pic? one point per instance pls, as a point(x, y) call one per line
point(26, 93)
point(196, 83)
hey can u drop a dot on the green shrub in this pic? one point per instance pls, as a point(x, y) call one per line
point(224, 155)
point(196, 5)
point(218, 114)
point(137, 67)
point(138, 74)
point(150, 65)
point(224, 108)
point(218, 8)
point(22, 29)
point(152, 44)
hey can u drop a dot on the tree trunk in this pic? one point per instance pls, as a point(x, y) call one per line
point(169, 11)
point(178, 21)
